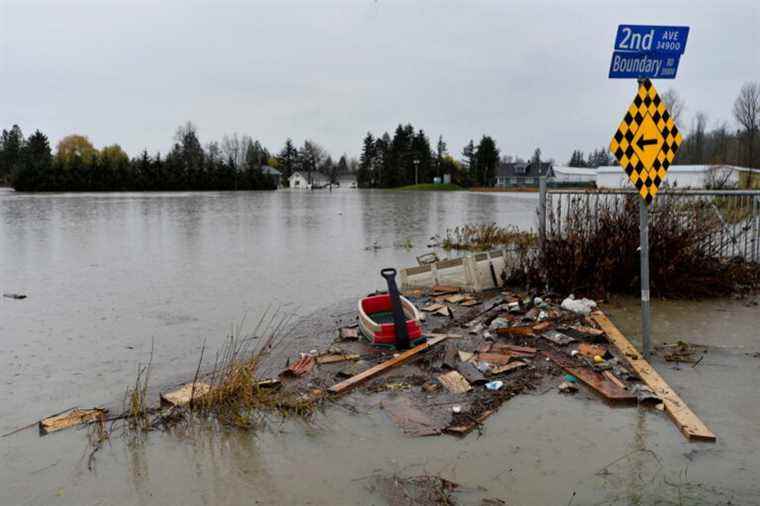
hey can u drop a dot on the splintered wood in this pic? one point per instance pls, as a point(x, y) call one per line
point(688, 422)
point(70, 418)
point(454, 382)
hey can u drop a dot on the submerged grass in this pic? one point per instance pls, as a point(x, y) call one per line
point(237, 396)
point(484, 237)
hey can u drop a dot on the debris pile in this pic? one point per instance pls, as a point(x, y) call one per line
point(482, 350)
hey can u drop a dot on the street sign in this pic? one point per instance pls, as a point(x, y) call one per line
point(643, 64)
point(663, 39)
point(646, 141)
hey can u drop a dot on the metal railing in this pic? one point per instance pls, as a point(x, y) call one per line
point(730, 218)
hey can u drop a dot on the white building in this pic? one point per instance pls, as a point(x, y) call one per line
point(679, 176)
point(573, 174)
point(299, 181)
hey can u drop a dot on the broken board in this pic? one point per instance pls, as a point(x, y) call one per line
point(181, 396)
point(69, 419)
point(389, 364)
point(461, 430)
point(409, 419)
point(688, 422)
point(557, 338)
point(506, 368)
point(332, 358)
point(454, 382)
point(598, 383)
point(515, 331)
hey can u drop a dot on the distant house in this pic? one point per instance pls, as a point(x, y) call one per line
point(275, 174)
point(679, 176)
point(307, 181)
point(521, 173)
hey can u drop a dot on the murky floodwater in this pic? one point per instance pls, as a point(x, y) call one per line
point(108, 274)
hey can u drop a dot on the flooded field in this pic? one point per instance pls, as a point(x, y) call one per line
point(106, 275)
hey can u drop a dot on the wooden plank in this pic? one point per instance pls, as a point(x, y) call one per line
point(381, 368)
point(494, 358)
point(598, 383)
point(688, 422)
point(332, 358)
point(455, 299)
point(515, 350)
point(515, 331)
point(454, 382)
point(611, 376)
point(69, 419)
point(506, 368)
point(589, 331)
point(432, 307)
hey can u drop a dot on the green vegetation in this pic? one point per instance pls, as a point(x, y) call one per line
point(398, 161)
point(448, 187)
point(484, 237)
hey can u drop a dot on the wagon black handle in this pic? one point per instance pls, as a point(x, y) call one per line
point(389, 273)
point(399, 319)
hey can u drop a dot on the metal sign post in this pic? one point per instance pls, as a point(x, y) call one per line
point(646, 313)
point(645, 145)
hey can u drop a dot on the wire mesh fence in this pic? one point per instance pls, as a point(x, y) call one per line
point(727, 222)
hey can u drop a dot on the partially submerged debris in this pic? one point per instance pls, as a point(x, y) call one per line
point(71, 418)
point(17, 296)
point(332, 358)
point(454, 382)
point(185, 393)
point(301, 366)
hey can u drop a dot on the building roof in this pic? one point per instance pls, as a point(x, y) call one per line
point(607, 169)
point(267, 169)
point(574, 171)
point(522, 169)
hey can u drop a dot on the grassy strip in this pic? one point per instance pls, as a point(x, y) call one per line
point(431, 187)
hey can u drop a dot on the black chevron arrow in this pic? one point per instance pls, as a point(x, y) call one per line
point(642, 143)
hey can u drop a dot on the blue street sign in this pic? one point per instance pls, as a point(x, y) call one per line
point(640, 64)
point(663, 39)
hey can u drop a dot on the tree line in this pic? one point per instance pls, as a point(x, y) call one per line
point(235, 163)
point(719, 145)
point(407, 158)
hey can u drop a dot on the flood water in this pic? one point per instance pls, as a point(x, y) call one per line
point(107, 275)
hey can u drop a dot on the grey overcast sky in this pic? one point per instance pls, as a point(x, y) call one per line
point(527, 73)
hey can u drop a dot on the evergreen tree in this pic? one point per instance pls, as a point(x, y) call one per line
point(486, 160)
point(288, 160)
point(365, 176)
point(11, 144)
point(577, 159)
point(468, 153)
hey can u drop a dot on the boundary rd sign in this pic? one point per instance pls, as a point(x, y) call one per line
point(643, 64)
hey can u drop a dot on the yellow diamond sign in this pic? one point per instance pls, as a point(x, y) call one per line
point(646, 141)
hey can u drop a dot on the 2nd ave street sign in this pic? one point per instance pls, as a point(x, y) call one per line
point(648, 51)
point(662, 39)
point(646, 141)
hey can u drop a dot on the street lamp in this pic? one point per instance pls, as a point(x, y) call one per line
point(416, 171)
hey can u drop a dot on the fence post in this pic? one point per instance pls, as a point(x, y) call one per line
point(541, 212)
